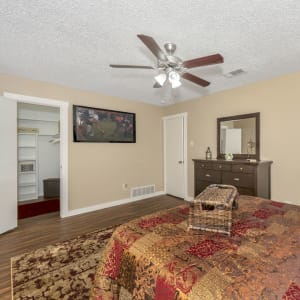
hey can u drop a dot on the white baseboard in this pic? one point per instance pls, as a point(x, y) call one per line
point(87, 209)
point(189, 198)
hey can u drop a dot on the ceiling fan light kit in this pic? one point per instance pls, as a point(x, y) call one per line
point(172, 67)
point(173, 77)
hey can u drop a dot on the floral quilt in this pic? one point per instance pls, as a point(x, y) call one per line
point(156, 257)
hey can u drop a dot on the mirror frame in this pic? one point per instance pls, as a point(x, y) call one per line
point(257, 137)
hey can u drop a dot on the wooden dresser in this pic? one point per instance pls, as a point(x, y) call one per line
point(251, 178)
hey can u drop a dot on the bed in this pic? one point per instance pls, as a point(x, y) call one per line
point(155, 257)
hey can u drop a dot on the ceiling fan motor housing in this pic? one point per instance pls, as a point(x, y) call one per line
point(173, 63)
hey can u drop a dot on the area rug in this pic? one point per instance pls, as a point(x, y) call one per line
point(61, 271)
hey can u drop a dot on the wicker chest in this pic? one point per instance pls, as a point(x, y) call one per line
point(212, 209)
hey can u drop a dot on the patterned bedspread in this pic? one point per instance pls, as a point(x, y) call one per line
point(155, 257)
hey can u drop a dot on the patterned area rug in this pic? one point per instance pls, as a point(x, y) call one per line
point(61, 271)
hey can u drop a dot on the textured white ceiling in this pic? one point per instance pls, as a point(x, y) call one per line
point(72, 42)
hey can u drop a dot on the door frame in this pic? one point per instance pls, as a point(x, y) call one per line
point(63, 145)
point(9, 167)
point(185, 163)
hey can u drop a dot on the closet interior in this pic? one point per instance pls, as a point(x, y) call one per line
point(38, 159)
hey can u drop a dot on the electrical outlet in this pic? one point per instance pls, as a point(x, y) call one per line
point(124, 186)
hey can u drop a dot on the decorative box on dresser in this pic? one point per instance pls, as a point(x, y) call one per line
point(250, 178)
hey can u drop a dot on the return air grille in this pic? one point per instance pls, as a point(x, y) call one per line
point(142, 190)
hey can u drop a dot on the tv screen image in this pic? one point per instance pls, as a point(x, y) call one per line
point(102, 125)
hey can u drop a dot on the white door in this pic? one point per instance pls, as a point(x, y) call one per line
point(8, 165)
point(174, 155)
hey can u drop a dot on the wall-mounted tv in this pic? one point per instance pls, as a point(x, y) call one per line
point(97, 125)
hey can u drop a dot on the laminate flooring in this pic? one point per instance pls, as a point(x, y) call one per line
point(40, 231)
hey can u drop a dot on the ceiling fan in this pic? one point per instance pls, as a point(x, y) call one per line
point(171, 67)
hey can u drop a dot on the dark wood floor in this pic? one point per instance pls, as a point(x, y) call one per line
point(33, 233)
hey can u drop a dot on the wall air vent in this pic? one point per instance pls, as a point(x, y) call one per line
point(234, 73)
point(141, 191)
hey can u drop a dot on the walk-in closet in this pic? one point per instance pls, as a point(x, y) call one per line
point(38, 159)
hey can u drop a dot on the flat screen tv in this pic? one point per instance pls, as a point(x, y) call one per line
point(97, 125)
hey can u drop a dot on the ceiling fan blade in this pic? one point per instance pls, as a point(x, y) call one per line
point(195, 79)
point(152, 46)
point(203, 61)
point(131, 66)
point(157, 85)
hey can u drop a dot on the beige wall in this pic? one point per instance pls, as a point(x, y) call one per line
point(98, 170)
point(278, 101)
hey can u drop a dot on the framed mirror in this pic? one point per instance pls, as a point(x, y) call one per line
point(239, 135)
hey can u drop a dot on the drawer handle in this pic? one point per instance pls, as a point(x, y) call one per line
point(241, 169)
point(207, 175)
point(236, 179)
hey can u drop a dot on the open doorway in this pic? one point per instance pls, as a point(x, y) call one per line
point(38, 159)
point(63, 145)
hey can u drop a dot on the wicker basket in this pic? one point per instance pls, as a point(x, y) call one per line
point(212, 209)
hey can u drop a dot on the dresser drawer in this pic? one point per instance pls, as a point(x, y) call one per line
point(200, 186)
point(204, 165)
point(210, 175)
point(243, 168)
point(222, 167)
point(238, 179)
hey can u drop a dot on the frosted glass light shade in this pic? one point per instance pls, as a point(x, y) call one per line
point(175, 84)
point(161, 78)
point(174, 79)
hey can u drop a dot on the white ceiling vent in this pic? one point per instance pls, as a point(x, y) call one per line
point(235, 73)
